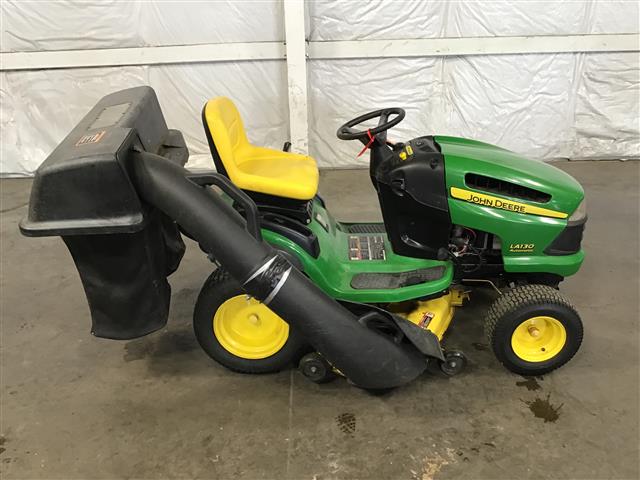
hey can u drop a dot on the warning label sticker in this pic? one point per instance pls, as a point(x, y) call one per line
point(366, 247)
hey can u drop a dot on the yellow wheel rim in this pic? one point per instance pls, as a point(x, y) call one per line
point(538, 339)
point(249, 329)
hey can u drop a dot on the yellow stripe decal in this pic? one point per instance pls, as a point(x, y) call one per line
point(503, 204)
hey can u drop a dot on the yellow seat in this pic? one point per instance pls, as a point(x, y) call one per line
point(258, 169)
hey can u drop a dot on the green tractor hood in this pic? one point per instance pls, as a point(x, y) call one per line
point(463, 156)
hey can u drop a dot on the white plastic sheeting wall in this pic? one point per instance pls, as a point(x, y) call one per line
point(544, 105)
point(39, 108)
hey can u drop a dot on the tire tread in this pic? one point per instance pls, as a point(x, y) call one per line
point(521, 297)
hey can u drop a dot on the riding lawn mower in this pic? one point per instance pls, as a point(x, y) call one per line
point(292, 285)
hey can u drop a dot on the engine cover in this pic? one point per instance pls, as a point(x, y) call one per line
point(412, 191)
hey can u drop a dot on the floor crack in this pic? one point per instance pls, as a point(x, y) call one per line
point(14, 208)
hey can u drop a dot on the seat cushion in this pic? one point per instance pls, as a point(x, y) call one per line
point(257, 169)
point(275, 172)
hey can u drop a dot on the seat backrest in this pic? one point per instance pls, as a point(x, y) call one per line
point(225, 133)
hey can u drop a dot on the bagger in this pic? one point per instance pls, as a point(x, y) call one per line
point(369, 301)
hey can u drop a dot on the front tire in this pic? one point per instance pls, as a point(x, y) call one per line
point(241, 333)
point(533, 329)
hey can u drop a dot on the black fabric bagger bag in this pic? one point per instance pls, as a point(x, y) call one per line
point(123, 250)
point(125, 277)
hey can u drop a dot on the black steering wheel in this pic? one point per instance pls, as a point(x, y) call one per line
point(347, 132)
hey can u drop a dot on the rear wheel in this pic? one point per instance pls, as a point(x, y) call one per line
point(533, 329)
point(241, 333)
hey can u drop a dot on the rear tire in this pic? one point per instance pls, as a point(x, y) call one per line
point(533, 329)
point(221, 289)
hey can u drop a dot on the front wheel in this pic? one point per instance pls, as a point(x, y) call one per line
point(533, 329)
point(240, 332)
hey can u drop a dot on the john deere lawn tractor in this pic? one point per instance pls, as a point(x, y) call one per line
point(369, 301)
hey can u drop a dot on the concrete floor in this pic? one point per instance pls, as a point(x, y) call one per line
point(74, 406)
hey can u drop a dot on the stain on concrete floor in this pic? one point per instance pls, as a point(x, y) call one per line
point(530, 383)
point(347, 423)
point(434, 463)
point(543, 408)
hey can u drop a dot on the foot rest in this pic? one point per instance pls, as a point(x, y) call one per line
point(367, 228)
point(388, 281)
